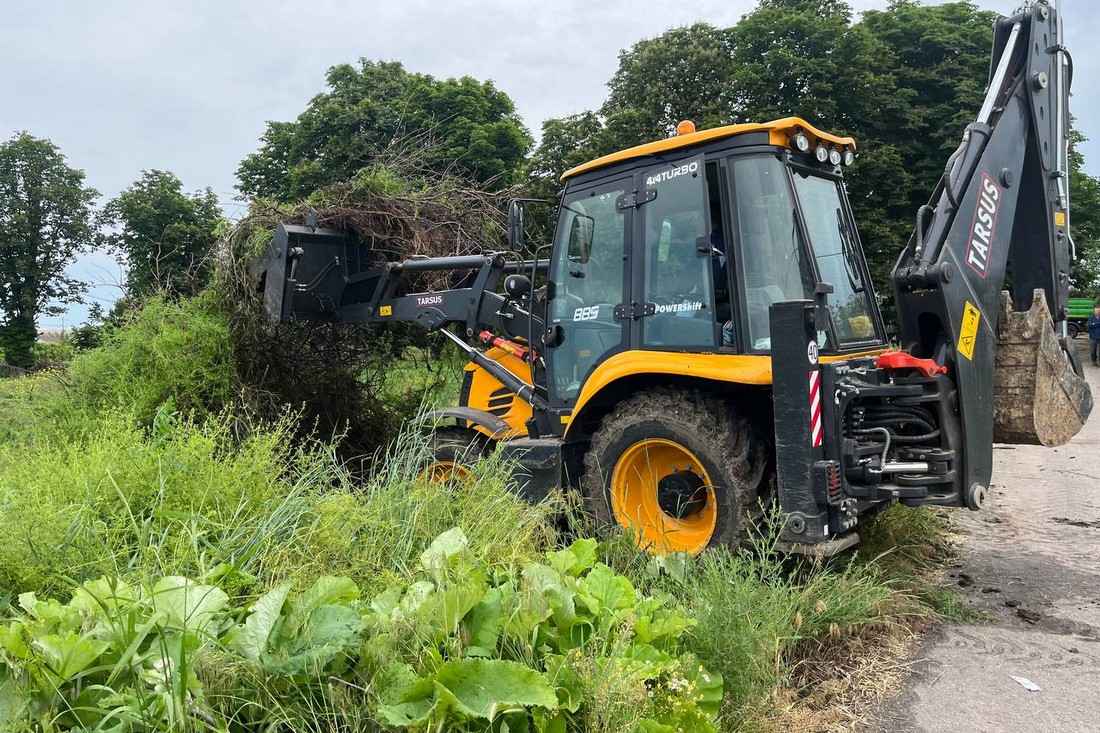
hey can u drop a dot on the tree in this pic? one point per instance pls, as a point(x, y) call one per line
point(805, 58)
point(566, 142)
point(467, 126)
point(939, 56)
point(162, 235)
point(682, 74)
point(1084, 202)
point(45, 220)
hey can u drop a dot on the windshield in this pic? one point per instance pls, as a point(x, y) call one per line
point(773, 266)
point(838, 258)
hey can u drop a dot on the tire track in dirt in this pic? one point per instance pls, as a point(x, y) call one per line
point(1032, 563)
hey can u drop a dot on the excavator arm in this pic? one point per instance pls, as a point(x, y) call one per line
point(1001, 211)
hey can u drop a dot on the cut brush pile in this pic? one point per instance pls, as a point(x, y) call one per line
point(335, 372)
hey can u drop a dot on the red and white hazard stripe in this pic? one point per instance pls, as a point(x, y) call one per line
point(815, 408)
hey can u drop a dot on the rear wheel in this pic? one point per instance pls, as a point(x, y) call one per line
point(454, 450)
point(680, 470)
point(1072, 330)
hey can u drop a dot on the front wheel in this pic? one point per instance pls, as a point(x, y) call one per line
point(680, 470)
point(1072, 330)
point(454, 450)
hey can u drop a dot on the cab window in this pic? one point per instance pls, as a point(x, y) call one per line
point(676, 253)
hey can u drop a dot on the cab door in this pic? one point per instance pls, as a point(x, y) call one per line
point(588, 282)
point(677, 256)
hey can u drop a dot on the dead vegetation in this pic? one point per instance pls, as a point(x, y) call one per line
point(837, 681)
point(335, 373)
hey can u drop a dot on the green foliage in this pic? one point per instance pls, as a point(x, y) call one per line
point(50, 355)
point(178, 351)
point(161, 655)
point(760, 617)
point(465, 125)
point(162, 235)
point(119, 501)
point(1084, 196)
point(225, 498)
point(576, 620)
point(805, 58)
point(939, 58)
point(24, 402)
point(683, 74)
point(45, 220)
point(116, 655)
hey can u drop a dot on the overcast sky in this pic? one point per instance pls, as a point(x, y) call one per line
point(126, 85)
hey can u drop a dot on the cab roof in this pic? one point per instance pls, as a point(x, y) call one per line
point(780, 133)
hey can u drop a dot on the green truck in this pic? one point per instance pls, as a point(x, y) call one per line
point(1077, 316)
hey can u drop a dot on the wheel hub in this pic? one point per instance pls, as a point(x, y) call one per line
point(681, 494)
point(664, 495)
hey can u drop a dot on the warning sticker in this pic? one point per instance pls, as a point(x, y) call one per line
point(1059, 218)
point(968, 331)
point(386, 310)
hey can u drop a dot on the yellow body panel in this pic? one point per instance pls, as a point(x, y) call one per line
point(736, 368)
point(780, 132)
point(486, 393)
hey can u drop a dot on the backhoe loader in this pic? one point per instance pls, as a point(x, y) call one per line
point(701, 342)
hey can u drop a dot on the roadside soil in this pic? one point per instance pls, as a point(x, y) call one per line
point(1031, 563)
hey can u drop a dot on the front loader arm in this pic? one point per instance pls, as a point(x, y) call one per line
point(312, 273)
point(1004, 197)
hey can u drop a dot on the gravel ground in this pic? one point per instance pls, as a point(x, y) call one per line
point(1031, 561)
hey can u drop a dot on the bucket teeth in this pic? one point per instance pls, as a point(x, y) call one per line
point(1038, 396)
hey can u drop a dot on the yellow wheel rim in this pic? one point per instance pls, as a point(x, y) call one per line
point(445, 472)
point(661, 492)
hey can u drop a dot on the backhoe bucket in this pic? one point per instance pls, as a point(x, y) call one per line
point(1039, 395)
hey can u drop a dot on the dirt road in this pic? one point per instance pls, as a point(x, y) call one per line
point(1032, 562)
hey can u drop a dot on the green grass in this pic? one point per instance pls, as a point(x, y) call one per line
point(191, 498)
point(420, 372)
point(909, 548)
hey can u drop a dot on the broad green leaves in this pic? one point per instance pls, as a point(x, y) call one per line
point(64, 657)
point(114, 651)
point(250, 640)
point(457, 647)
point(569, 624)
point(471, 688)
point(187, 606)
point(306, 636)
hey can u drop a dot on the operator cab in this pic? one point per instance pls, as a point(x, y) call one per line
point(685, 243)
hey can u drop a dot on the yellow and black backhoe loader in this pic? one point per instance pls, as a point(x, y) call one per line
point(701, 338)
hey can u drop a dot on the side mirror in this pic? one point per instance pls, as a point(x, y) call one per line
point(515, 225)
point(580, 238)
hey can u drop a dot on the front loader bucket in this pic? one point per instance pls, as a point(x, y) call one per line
point(304, 274)
point(1039, 398)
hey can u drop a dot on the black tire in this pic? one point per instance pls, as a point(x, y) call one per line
point(729, 448)
point(452, 445)
point(1072, 330)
